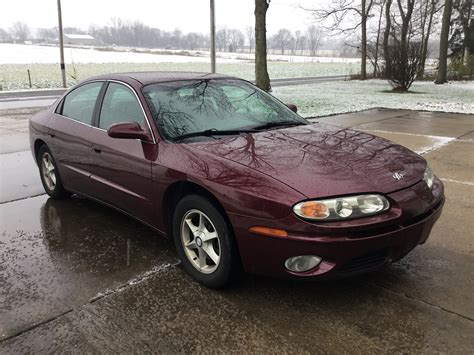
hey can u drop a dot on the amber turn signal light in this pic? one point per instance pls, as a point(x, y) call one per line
point(272, 232)
point(312, 209)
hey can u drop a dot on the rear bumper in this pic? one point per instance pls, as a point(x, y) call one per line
point(344, 255)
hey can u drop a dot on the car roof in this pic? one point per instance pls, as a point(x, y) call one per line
point(152, 77)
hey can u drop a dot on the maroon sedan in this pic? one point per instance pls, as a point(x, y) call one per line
point(235, 176)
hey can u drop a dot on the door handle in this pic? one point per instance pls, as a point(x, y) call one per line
point(97, 150)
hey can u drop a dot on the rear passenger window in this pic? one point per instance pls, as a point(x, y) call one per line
point(120, 105)
point(79, 103)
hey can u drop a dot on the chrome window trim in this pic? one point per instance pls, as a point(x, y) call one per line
point(104, 81)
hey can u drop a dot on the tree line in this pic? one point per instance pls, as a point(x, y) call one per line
point(136, 34)
point(117, 32)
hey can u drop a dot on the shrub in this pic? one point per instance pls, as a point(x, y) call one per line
point(403, 64)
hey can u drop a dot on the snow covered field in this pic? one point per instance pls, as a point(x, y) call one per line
point(29, 54)
point(26, 54)
point(42, 62)
point(14, 76)
point(287, 58)
point(351, 96)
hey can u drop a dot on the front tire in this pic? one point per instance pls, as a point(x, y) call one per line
point(204, 242)
point(49, 174)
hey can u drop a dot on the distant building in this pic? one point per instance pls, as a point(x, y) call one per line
point(79, 39)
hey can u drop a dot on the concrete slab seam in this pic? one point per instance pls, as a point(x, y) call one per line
point(145, 276)
point(23, 198)
point(136, 280)
point(36, 325)
point(432, 305)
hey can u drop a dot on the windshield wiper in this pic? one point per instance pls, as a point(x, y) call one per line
point(277, 124)
point(212, 132)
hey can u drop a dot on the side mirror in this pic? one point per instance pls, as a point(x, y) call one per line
point(127, 130)
point(292, 107)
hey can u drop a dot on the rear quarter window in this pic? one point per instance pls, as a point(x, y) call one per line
point(79, 104)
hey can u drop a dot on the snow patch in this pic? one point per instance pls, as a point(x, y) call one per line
point(458, 182)
point(438, 141)
point(330, 98)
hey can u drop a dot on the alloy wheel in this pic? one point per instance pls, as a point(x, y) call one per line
point(200, 241)
point(48, 171)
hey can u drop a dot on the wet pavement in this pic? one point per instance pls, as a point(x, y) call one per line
point(79, 277)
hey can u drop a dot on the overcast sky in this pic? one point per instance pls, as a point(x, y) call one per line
point(189, 15)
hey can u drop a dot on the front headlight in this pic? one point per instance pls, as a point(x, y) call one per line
point(428, 177)
point(342, 208)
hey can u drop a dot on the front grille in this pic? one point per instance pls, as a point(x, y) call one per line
point(364, 263)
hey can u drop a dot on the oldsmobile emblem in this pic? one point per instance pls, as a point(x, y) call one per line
point(397, 176)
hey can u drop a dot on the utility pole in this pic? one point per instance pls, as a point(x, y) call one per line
point(213, 37)
point(61, 45)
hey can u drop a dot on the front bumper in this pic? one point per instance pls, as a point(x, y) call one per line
point(345, 251)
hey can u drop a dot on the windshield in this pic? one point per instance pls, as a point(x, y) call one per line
point(192, 106)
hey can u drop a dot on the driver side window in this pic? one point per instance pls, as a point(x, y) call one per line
point(120, 105)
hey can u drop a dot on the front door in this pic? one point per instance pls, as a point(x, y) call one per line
point(121, 168)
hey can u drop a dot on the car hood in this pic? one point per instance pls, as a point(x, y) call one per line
point(321, 160)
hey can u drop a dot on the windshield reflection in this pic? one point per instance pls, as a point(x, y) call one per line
point(184, 107)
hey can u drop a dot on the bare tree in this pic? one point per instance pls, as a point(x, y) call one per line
point(403, 43)
point(300, 42)
point(339, 12)
point(116, 26)
point(4, 35)
point(443, 44)
point(406, 8)
point(236, 40)
point(261, 72)
point(250, 32)
point(386, 36)
point(20, 31)
point(138, 33)
point(364, 14)
point(222, 39)
point(282, 39)
point(192, 40)
point(46, 34)
point(428, 18)
point(314, 36)
point(375, 60)
point(427, 11)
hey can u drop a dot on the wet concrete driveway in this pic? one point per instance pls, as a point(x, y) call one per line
point(78, 277)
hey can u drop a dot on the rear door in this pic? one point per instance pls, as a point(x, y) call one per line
point(121, 168)
point(70, 134)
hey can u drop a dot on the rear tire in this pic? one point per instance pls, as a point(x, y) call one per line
point(204, 242)
point(49, 174)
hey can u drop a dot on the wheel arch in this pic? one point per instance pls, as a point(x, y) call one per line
point(176, 191)
point(37, 146)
